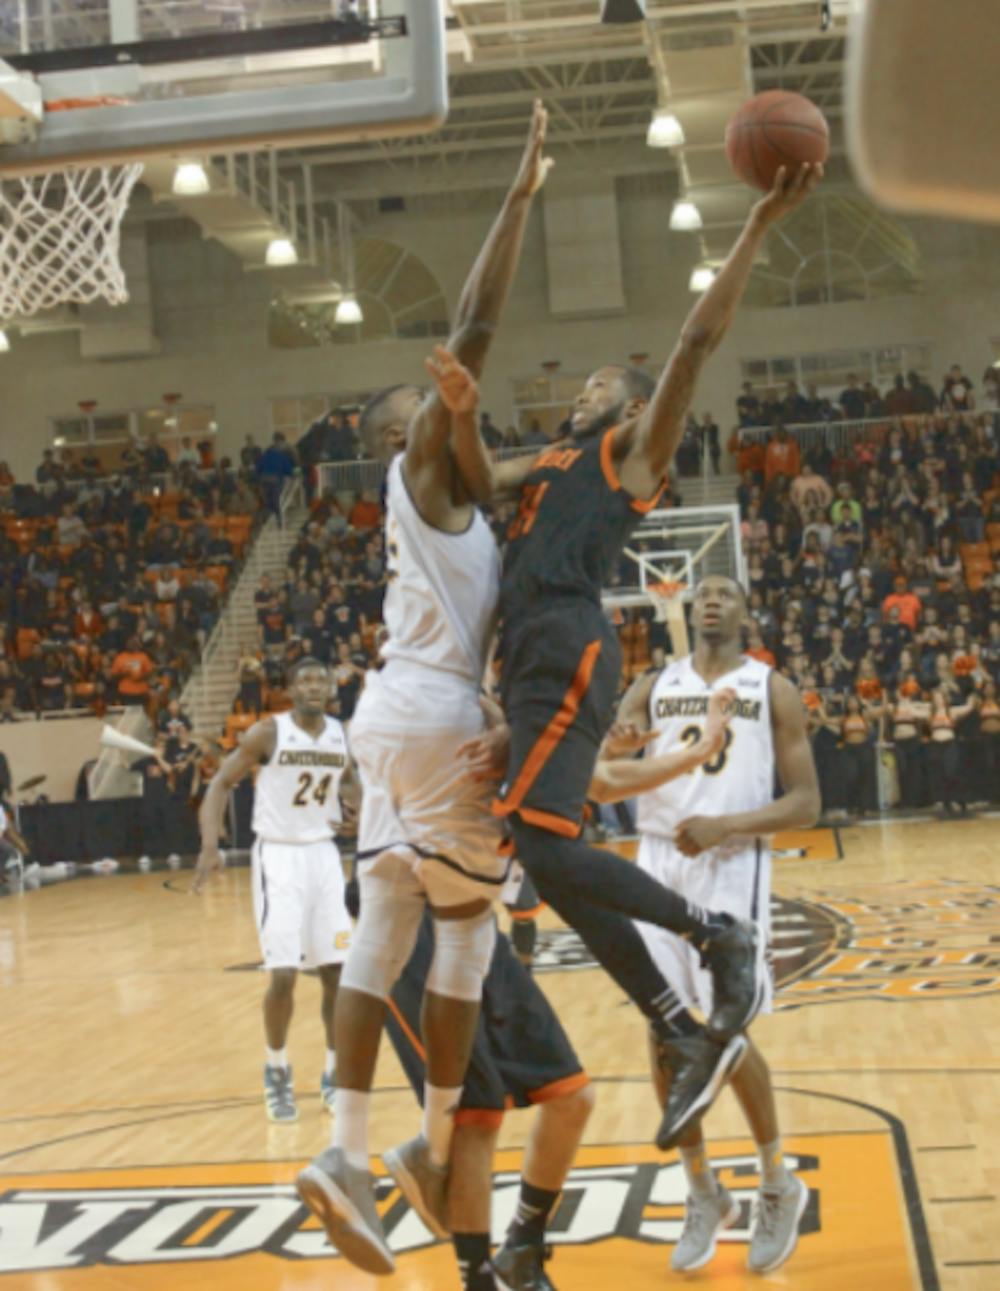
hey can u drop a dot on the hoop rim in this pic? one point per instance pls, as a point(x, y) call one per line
point(89, 101)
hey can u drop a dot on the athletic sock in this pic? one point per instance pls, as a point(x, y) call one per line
point(472, 1250)
point(698, 1171)
point(330, 1066)
point(672, 1020)
point(616, 944)
point(277, 1057)
point(534, 1207)
point(440, 1106)
point(773, 1171)
point(350, 1125)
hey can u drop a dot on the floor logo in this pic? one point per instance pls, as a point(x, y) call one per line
point(229, 1225)
point(907, 941)
point(937, 939)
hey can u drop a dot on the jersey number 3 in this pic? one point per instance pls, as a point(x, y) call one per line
point(319, 793)
point(692, 734)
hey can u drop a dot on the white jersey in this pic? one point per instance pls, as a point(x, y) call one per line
point(441, 600)
point(740, 777)
point(297, 794)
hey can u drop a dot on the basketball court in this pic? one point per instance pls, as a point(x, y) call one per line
point(134, 1139)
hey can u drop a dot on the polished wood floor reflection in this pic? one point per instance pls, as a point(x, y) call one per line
point(135, 1152)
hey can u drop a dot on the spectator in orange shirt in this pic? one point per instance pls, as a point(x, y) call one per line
point(366, 512)
point(749, 453)
point(756, 649)
point(132, 666)
point(87, 622)
point(782, 457)
point(868, 687)
point(906, 601)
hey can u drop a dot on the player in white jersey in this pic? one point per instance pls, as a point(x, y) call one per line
point(426, 837)
point(301, 759)
point(705, 835)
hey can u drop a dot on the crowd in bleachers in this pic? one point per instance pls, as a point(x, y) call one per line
point(110, 584)
point(874, 580)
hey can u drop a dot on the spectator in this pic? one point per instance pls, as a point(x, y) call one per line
point(491, 435)
point(534, 436)
point(366, 512)
point(275, 467)
point(187, 454)
point(710, 442)
point(132, 667)
point(899, 401)
point(782, 457)
point(852, 400)
point(748, 406)
point(924, 398)
point(956, 391)
point(810, 491)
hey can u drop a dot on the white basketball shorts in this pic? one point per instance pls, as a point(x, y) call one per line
point(419, 808)
point(736, 882)
point(298, 901)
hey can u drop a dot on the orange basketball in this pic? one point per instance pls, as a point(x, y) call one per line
point(776, 128)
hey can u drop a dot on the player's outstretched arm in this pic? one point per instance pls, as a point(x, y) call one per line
point(458, 392)
point(799, 805)
point(615, 780)
point(428, 463)
point(258, 745)
point(661, 424)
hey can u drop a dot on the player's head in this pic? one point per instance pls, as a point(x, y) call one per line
point(719, 609)
point(612, 394)
point(310, 685)
point(385, 420)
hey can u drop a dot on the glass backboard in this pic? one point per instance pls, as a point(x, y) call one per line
point(194, 77)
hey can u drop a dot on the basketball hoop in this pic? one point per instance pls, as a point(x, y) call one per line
point(60, 232)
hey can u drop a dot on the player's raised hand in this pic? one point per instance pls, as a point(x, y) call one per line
point(535, 166)
point(792, 185)
point(210, 862)
point(455, 384)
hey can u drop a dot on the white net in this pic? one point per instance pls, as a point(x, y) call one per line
point(60, 236)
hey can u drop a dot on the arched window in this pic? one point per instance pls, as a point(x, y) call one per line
point(399, 297)
point(837, 247)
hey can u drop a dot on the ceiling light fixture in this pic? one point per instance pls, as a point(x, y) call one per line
point(702, 277)
point(190, 179)
point(665, 131)
point(685, 217)
point(281, 251)
point(349, 311)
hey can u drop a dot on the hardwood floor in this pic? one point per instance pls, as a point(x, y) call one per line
point(135, 1152)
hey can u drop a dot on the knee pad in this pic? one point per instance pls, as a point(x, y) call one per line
point(463, 951)
point(383, 941)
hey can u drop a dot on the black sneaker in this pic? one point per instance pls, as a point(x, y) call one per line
point(522, 1268)
point(698, 1066)
point(737, 989)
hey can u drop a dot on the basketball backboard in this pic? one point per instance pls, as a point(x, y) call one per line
point(194, 77)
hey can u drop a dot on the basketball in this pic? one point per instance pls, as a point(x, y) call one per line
point(776, 128)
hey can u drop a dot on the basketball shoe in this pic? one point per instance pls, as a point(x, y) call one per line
point(423, 1184)
point(279, 1094)
point(522, 1268)
point(342, 1198)
point(737, 989)
point(775, 1231)
point(705, 1217)
point(698, 1066)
